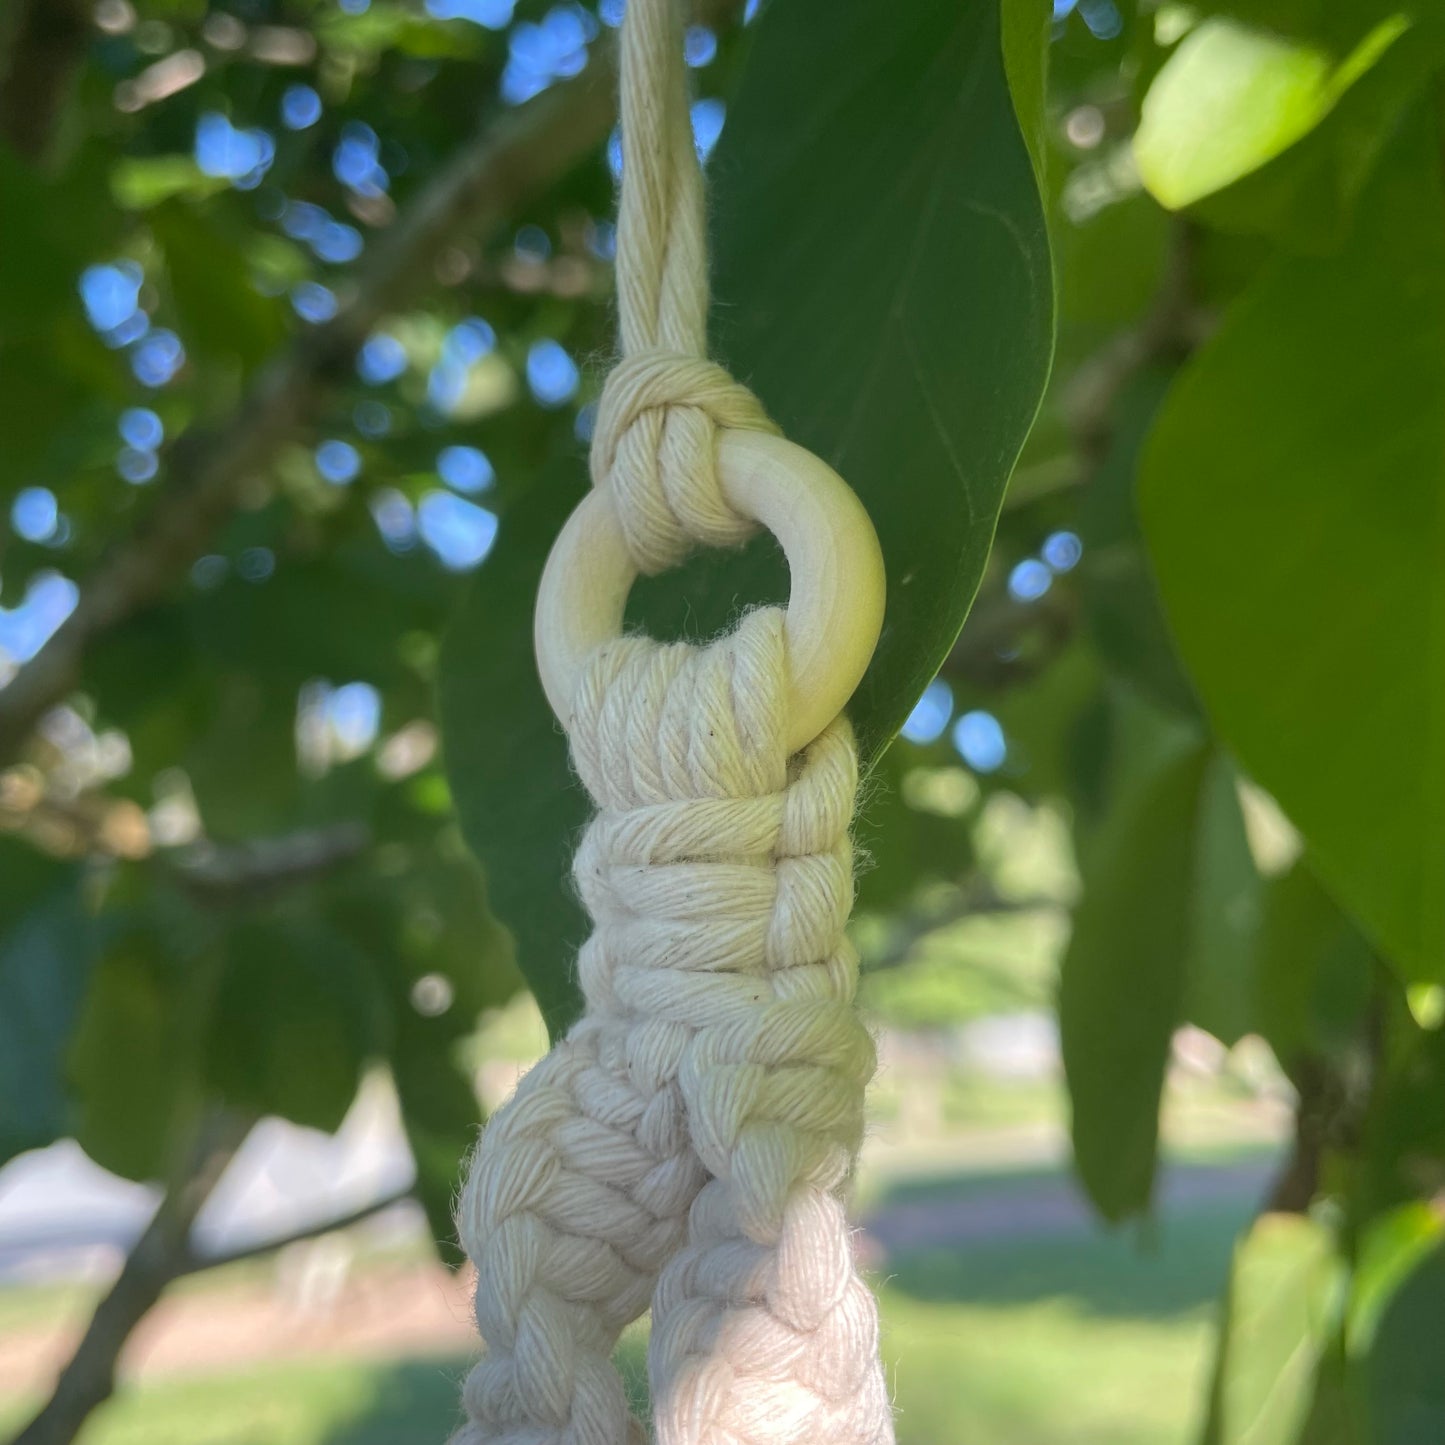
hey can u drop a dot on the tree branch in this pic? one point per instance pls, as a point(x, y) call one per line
point(46, 41)
point(236, 872)
point(1170, 330)
point(1005, 643)
point(195, 1263)
point(88, 1379)
point(510, 160)
point(163, 1254)
point(974, 897)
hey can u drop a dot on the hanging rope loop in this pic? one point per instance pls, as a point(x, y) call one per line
point(686, 1146)
point(664, 402)
point(655, 449)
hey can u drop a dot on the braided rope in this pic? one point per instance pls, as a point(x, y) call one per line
point(686, 1144)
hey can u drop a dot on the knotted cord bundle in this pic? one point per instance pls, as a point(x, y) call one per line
point(685, 1146)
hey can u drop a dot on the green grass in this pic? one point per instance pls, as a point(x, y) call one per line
point(320, 1403)
point(1069, 1340)
point(42, 1306)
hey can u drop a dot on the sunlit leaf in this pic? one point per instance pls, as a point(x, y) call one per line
point(1282, 1305)
point(1232, 98)
point(1290, 497)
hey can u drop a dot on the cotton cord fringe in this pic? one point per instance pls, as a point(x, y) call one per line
point(685, 1147)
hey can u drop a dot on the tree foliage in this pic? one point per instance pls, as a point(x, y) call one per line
point(1127, 325)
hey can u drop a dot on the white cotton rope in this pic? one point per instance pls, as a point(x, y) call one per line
point(685, 1147)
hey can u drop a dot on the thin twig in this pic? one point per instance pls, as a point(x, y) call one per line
point(233, 872)
point(975, 898)
point(163, 1254)
point(195, 1263)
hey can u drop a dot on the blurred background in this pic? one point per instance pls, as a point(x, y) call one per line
point(299, 299)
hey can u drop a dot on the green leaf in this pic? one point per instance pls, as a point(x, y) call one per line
point(1404, 1380)
point(1164, 933)
point(419, 910)
point(1400, 1152)
point(1121, 599)
point(221, 313)
point(1292, 170)
point(913, 827)
point(506, 756)
point(1231, 98)
point(883, 282)
point(53, 229)
point(1027, 27)
point(1391, 1249)
point(1311, 972)
point(46, 946)
point(1290, 496)
point(1123, 984)
point(132, 1065)
point(1285, 1292)
point(298, 1013)
point(441, 1115)
point(140, 182)
point(1227, 903)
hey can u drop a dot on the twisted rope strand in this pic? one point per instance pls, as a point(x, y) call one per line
point(654, 446)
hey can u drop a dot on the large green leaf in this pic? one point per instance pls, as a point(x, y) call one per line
point(883, 282)
point(46, 945)
point(132, 1067)
point(1164, 933)
point(298, 1013)
point(1286, 1290)
point(882, 274)
point(1124, 975)
point(1292, 501)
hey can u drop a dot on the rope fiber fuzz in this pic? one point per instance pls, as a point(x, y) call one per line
point(685, 1147)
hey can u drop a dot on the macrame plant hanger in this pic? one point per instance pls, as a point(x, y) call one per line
point(685, 1146)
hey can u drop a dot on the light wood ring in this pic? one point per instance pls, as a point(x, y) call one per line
point(835, 604)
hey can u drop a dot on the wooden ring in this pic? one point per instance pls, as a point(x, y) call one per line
point(835, 603)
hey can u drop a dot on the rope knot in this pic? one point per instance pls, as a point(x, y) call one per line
point(655, 447)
